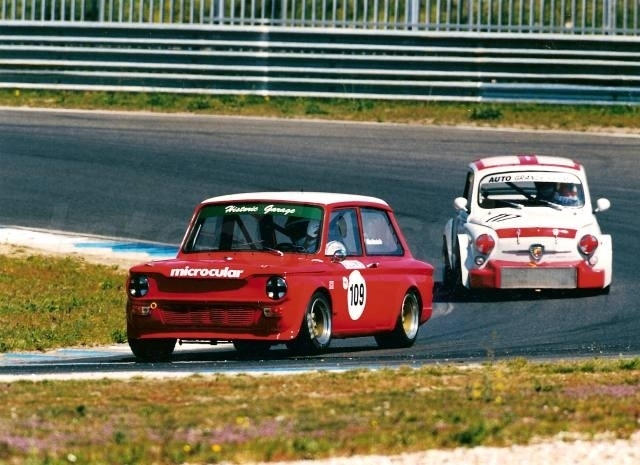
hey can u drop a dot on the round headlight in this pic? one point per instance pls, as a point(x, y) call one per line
point(276, 287)
point(138, 286)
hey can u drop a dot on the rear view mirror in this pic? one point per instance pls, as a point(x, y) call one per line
point(460, 203)
point(602, 205)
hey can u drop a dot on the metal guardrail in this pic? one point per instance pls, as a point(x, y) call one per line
point(613, 17)
point(317, 62)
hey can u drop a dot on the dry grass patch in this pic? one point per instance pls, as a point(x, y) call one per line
point(57, 301)
point(241, 418)
point(593, 118)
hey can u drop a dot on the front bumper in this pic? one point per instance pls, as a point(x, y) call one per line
point(517, 275)
point(205, 320)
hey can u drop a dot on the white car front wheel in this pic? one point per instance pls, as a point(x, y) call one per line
point(452, 272)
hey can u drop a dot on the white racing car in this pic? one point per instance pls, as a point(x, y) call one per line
point(526, 222)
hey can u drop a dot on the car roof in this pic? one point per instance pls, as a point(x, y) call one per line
point(525, 161)
point(319, 198)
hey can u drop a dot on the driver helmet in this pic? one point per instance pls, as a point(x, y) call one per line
point(566, 194)
point(313, 227)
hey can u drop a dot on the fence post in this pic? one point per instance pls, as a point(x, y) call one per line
point(414, 14)
point(609, 16)
point(283, 12)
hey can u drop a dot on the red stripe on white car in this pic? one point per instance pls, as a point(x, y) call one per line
point(524, 159)
point(512, 233)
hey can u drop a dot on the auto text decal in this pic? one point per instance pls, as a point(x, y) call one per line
point(356, 288)
point(533, 176)
point(188, 272)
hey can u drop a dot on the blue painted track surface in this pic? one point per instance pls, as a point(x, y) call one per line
point(153, 250)
point(61, 242)
point(62, 355)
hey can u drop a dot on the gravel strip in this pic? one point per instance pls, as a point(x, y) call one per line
point(601, 451)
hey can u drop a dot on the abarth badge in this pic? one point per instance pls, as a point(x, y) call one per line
point(536, 251)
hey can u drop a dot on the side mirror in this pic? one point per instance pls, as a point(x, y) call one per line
point(336, 250)
point(602, 205)
point(460, 204)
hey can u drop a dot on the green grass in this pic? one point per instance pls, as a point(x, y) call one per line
point(561, 117)
point(243, 418)
point(50, 302)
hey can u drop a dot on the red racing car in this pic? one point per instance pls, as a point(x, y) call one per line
point(294, 268)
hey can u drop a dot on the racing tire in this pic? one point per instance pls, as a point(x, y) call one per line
point(251, 349)
point(452, 274)
point(152, 350)
point(405, 332)
point(315, 332)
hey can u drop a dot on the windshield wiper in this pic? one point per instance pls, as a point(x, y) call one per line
point(273, 251)
point(263, 248)
point(517, 205)
point(548, 203)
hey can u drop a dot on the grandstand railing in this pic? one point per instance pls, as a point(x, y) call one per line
point(581, 17)
point(554, 51)
point(317, 62)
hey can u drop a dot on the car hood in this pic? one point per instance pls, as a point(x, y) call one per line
point(535, 218)
point(231, 266)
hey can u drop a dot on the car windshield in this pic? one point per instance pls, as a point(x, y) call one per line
point(283, 227)
point(519, 189)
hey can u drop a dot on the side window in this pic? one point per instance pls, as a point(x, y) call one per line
point(468, 185)
point(379, 236)
point(468, 190)
point(343, 227)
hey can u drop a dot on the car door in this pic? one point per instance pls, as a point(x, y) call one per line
point(385, 265)
point(462, 215)
point(372, 275)
point(352, 305)
point(458, 223)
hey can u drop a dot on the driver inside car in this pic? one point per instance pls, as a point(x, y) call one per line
point(566, 194)
point(309, 243)
point(303, 233)
point(545, 191)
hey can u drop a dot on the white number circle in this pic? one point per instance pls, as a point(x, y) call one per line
point(356, 294)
